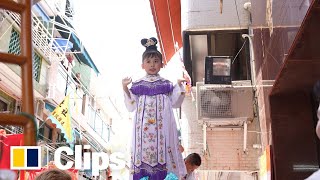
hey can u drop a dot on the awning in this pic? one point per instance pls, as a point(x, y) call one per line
point(62, 44)
point(167, 19)
point(49, 106)
point(82, 55)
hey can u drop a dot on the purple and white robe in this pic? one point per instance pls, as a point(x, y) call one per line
point(154, 151)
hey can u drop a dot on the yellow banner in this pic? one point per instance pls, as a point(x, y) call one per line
point(61, 117)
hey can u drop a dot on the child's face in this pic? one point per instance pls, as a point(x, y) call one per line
point(152, 65)
point(190, 167)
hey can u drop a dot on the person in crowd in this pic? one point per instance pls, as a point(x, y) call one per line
point(53, 174)
point(193, 162)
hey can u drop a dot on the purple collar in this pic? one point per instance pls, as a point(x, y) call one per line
point(151, 85)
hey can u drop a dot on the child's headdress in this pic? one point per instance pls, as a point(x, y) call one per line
point(151, 47)
point(150, 44)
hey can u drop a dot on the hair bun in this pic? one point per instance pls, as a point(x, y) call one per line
point(149, 42)
point(151, 48)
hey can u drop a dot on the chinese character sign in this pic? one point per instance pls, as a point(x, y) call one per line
point(61, 117)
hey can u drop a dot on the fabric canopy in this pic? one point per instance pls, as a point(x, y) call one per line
point(167, 19)
point(82, 55)
point(62, 44)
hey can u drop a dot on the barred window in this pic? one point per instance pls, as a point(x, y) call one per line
point(14, 44)
point(14, 48)
point(36, 63)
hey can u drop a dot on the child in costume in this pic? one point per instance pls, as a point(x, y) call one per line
point(155, 145)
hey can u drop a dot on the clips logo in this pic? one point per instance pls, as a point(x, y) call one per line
point(25, 157)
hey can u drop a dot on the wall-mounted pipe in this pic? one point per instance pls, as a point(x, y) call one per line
point(245, 135)
point(252, 60)
point(204, 129)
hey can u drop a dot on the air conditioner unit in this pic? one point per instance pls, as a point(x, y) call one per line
point(220, 104)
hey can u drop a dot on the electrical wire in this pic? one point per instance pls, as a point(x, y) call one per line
point(235, 3)
point(239, 50)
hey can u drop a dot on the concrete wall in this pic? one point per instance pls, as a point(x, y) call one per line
point(205, 14)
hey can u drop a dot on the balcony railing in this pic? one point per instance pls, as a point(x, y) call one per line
point(97, 124)
point(67, 85)
point(43, 41)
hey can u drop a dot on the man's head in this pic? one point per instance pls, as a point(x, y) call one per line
point(53, 174)
point(192, 161)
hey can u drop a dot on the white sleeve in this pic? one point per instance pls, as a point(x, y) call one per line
point(177, 95)
point(191, 176)
point(131, 103)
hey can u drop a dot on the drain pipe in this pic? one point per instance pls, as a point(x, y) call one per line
point(247, 6)
point(252, 60)
point(204, 130)
point(253, 78)
point(245, 136)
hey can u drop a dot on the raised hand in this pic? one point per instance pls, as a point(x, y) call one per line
point(126, 81)
point(180, 81)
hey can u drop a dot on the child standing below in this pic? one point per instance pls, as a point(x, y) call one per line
point(155, 146)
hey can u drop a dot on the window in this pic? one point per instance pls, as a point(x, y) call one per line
point(17, 107)
point(3, 106)
point(14, 48)
point(45, 132)
point(69, 9)
point(60, 138)
point(14, 44)
point(200, 44)
point(36, 66)
point(105, 132)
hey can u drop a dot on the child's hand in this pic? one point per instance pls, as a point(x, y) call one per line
point(181, 148)
point(180, 81)
point(126, 81)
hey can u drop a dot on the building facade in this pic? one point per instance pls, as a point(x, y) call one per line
point(271, 45)
point(62, 67)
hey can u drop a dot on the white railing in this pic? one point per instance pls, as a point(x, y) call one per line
point(91, 118)
point(41, 37)
point(43, 41)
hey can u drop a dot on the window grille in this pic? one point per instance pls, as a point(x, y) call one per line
point(14, 48)
point(36, 63)
point(14, 44)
